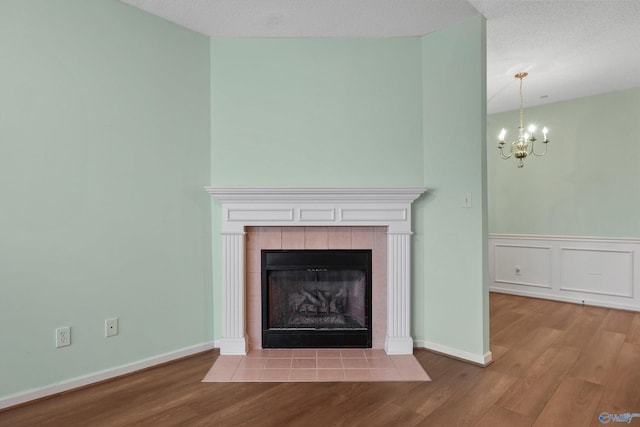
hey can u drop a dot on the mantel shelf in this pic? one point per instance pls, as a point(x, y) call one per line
point(316, 194)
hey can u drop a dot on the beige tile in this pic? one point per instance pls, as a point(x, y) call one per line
point(249, 368)
point(270, 238)
point(252, 238)
point(362, 238)
point(334, 363)
point(303, 364)
point(254, 285)
point(404, 361)
point(330, 374)
point(292, 237)
point(278, 364)
point(254, 331)
point(275, 375)
point(328, 352)
point(375, 353)
point(223, 369)
point(303, 375)
point(316, 238)
point(379, 262)
point(352, 352)
point(355, 363)
point(247, 375)
point(253, 261)
point(280, 353)
point(304, 353)
point(357, 375)
point(381, 363)
point(254, 344)
point(339, 237)
point(257, 354)
point(384, 374)
point(380, 239)
point(252, 363)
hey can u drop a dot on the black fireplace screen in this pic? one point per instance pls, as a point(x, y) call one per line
point(316, 298)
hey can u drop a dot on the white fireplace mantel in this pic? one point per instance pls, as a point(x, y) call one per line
point(262, 206)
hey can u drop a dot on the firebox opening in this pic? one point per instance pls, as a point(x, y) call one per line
point(316, 298)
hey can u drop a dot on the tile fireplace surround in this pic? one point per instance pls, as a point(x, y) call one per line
point(249, 213)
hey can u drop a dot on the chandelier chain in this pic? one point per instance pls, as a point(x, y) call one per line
point(521, 103)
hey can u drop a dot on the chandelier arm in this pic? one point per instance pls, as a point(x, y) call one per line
point(530, 147)
point(541, 154)
point(504, 156)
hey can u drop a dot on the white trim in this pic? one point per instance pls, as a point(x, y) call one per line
point(16, 399)
point(481, 359)
point(553, 297)
point(398, 345)
point(316, 194)
point(256, 206)
point(499, 236)
point(617, 260)
point(515, 282)
point(295, 207)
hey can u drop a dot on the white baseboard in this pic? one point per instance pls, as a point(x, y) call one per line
point(478, 359)
point(84, 380)
point(590, 302)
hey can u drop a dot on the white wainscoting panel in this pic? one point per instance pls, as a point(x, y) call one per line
point(597, 271)
point(523, 265)
point(587, 270)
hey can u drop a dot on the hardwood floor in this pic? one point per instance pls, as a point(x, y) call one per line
point(556, 364)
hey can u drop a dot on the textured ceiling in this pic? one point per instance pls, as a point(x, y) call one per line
point(310, 18)
point(571, 48)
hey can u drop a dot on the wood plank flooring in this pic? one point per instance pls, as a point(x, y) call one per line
point(556, 364)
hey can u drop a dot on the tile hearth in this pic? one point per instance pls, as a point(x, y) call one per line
point(316, 365)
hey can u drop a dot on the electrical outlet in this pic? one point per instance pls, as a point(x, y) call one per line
point(111, 327)
point(63, 336)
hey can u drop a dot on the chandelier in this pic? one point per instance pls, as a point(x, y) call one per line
point(524, 145)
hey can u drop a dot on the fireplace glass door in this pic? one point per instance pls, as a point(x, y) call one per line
point(314, 298)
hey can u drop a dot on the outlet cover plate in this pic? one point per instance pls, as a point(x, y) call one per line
point(111, 327)
point(63, 336)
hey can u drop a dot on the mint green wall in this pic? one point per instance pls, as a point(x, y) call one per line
point(337, 112)
point(325, 112)
point(455, 300)
point(588, 183)
point(104, 142)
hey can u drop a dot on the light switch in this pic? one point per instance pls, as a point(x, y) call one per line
point(466, 201)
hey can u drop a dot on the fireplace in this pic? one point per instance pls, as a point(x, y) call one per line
point(316, 298)
point(315, 208)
